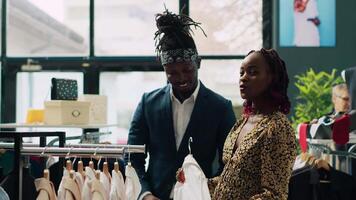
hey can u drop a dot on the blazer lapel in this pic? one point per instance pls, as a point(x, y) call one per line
point(168, 118)
point(197, 114)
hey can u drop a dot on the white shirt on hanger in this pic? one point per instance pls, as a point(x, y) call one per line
point(132, 183)
point(195, 185)
point(89, 176)
point(117, 191)
point(105, 180)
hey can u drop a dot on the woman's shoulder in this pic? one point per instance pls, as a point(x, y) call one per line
point(279, 124)
point(279, 118)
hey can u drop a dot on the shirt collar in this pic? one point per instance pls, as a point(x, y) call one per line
point(194, 95)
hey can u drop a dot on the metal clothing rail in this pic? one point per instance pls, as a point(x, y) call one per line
point(323, 148)
point(86, 148)
point(83, 152)
point(73, 152)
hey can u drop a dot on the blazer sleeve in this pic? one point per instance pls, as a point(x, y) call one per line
point(278, 155)
point(227, 121)
point(139, 135)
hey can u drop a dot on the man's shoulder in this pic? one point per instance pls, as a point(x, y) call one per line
point(157, 93)
point(214, 96)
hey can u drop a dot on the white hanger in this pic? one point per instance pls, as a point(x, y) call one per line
point(343, 75)
point(190, 141)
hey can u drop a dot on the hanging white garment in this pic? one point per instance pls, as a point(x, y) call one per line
point(79, 180)
point(117, 191)
point(97, 189)
point(70, 189)
point(86, 191)
point(105, 181)
point(45, 189)
point(132, 183)
point(61, 190)
point(195, 185)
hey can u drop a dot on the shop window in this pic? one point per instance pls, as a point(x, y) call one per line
point(40, 28)
point(233, 27)
point(124, 91)
point(222, 76)
point(126, 28)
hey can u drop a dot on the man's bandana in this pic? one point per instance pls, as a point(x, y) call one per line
point(179, 55)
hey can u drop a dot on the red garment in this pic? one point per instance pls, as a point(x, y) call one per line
point(341, 129)
point(303, 137)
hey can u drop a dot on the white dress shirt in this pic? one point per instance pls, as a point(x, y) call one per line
point(181, 114)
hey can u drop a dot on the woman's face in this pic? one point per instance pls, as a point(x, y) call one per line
point(183, 76)
point(255, 77)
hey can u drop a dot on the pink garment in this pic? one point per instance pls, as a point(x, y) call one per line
point(303, 137)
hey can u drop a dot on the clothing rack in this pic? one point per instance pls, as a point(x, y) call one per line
point(17, 146)
point(71, 150)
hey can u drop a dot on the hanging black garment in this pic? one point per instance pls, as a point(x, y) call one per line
point(309, 183)
point(28, 185)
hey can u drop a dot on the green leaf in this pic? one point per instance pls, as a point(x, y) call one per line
point(314, 97)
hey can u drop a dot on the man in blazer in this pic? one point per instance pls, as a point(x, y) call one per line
point(165, 118)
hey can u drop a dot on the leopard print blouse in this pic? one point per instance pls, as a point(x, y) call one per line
point(261, 166)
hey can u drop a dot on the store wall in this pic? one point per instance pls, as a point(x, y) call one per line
point(342, 56)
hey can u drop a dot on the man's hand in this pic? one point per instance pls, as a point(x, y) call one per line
point(150, 197)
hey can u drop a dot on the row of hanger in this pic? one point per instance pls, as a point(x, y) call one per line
point(313, 162)
point(80, 169)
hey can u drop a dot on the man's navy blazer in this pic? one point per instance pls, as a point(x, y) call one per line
point(152, 125)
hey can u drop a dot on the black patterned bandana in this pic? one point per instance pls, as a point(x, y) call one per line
point(180, 55)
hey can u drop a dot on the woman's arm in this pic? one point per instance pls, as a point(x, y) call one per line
point(278, 155)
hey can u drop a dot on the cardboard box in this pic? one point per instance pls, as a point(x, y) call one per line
point(66, 112)
point(98, 107)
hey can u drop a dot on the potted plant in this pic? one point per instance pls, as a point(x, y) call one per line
point(314, 98)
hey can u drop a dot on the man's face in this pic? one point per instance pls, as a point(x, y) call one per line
point(183, 76)
point(341, 100)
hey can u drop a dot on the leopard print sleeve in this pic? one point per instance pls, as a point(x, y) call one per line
point(277, 157)
point(212, 182)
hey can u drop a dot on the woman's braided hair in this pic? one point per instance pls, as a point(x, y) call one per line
point(279, 85)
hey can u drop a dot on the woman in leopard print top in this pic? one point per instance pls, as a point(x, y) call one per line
point(260, 149)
